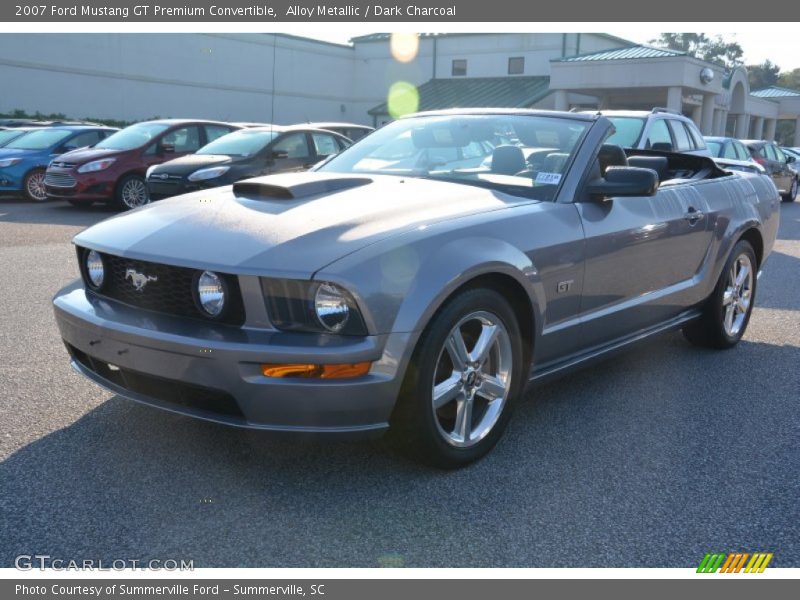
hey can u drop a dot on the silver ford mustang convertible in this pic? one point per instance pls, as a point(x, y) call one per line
point(418, 281)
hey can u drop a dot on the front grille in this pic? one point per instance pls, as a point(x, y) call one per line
point(168, 391)
point(168, 289)
point(59, 179)
point(63, 165)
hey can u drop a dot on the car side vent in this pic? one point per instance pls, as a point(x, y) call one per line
point(295, 186)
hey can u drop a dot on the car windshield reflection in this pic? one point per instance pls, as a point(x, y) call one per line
point(523, 155)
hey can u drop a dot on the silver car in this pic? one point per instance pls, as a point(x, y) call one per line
point(367, 297)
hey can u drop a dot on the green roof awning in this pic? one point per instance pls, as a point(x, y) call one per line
point(478, 92)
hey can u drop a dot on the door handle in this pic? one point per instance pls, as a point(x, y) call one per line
point(693, 215)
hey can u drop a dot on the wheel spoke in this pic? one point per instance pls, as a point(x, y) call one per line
point(727, 297)
point(446, 391)
point(484, 344)
point(463, 425)
point(729, 314)
point(744, 271)
point(492, 388)
point(457, 350)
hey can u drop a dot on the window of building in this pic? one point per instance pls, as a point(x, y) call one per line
point(516, 65)
point(459, 67)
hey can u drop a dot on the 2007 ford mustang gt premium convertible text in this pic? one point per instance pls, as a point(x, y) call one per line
point(414, 283)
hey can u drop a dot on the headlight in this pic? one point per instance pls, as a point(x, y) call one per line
point(209, 173)
point(95, 271)
point(9, 162)
point(96, 165)
point(320, 307)
point(330, 305)
point(211, 293)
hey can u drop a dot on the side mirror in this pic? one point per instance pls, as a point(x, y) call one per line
point(624, 181)
point(790, 159)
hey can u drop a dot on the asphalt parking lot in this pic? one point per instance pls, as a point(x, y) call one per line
point(653, 458)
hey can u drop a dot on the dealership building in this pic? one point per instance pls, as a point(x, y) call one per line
point(285, 79)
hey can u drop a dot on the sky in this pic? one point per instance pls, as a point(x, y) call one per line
point(763, 40)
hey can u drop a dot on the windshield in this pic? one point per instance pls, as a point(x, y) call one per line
point(132, 137)
point(6, 135)
point(629, 130)
point(39, 140)
point(240, 143)
point(524, 155)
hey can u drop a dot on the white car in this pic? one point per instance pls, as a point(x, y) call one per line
point(657, 129)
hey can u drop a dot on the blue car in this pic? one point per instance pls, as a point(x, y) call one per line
point(23, 160)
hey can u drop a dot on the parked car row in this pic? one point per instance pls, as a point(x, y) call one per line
point(88, 163)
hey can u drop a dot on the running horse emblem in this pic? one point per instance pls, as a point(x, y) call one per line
point(139, 280)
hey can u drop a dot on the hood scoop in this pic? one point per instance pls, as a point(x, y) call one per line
point(294, 186)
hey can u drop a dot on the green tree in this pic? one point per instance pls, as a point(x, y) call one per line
point(763, 75)
point(712, 49)
point(790, 79)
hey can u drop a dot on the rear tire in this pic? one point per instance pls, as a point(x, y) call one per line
point(131, 192)
point(458, 396)
point(728, 309)
point(33, 186)
point(792, 195)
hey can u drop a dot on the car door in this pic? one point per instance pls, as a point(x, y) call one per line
point(642, 254)
point(324, 146)
point(173, 143)
point(782, 166)
point(291, 152)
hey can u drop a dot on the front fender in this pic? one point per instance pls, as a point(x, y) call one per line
point(400, 288)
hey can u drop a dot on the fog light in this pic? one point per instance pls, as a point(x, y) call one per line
point(310, 371)
point(95, 270)
point(211, 293)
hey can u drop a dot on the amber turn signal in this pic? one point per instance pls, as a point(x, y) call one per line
point(305, 371)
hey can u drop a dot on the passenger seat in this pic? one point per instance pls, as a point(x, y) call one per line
point(611, 155)
point(659, 164)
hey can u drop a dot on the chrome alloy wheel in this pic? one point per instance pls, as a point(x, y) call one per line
point(35, 186)
point(134, 193)
point(472, 379)
point(738, 295)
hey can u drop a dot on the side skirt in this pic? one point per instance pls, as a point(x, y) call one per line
point(553, 370)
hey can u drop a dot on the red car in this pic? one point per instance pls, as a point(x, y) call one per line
point(113, 170)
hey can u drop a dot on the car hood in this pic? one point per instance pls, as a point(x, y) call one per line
point(329, 217)
point(12, 153)
point(84, 155)
point(190, 163)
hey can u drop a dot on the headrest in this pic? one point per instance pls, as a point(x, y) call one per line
point(508, 160)
point(611, 155)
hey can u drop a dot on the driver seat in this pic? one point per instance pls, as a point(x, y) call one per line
point(508, 160)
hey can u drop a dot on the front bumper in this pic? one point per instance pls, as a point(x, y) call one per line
point(90, 187)
point(212, 372)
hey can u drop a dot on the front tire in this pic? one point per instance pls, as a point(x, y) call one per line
point(727, 312)
point(33, 186)
point(465, 376)
point(131, 192)
point(790, 197)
